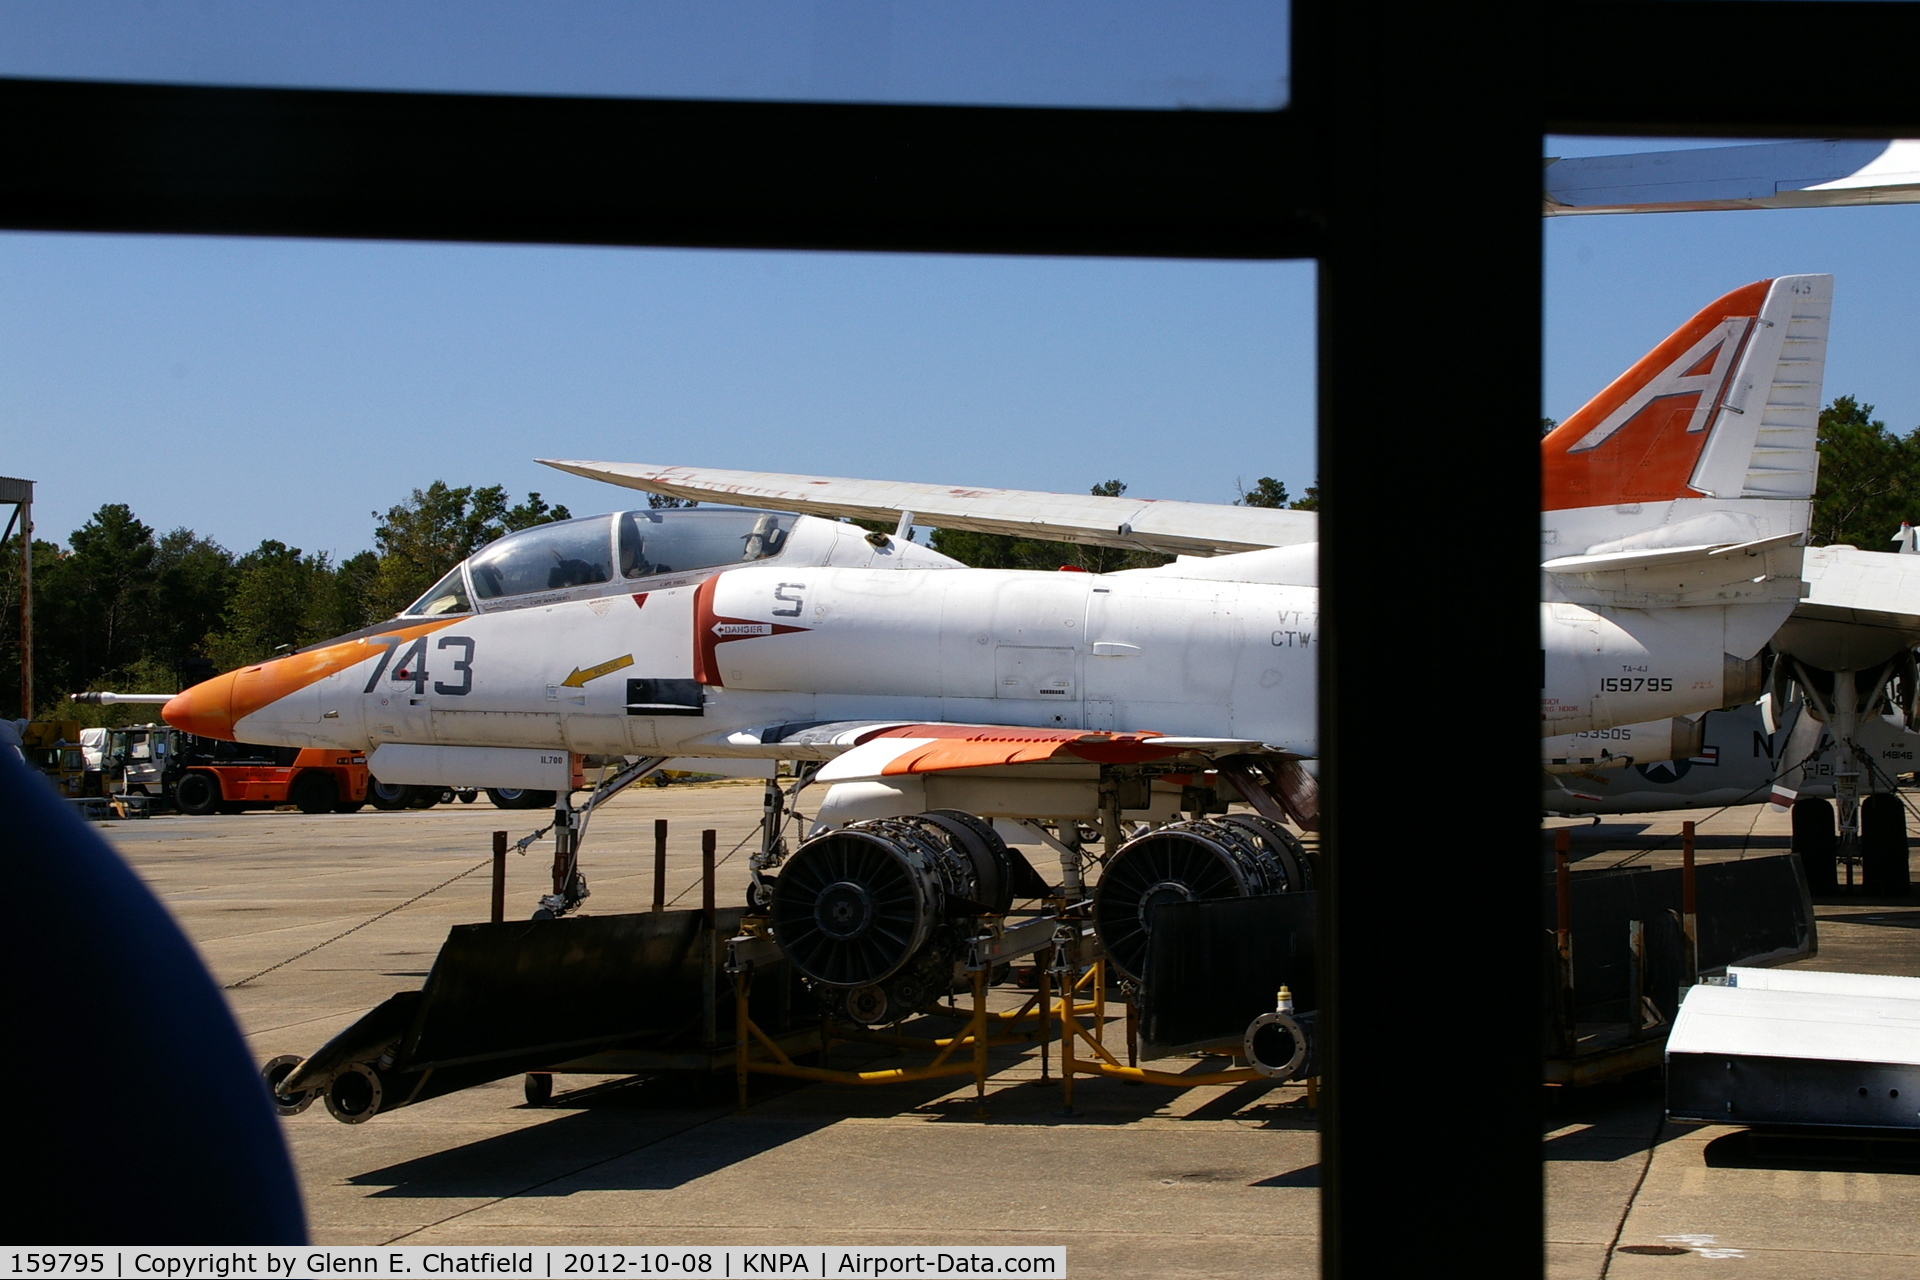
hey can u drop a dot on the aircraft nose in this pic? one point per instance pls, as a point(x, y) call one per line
point(205, 709)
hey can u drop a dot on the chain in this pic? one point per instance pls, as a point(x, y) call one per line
point(716, 866)
point(1748, 798)
point(356, 928)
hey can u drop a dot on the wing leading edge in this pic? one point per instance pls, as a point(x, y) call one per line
point(1140, 524)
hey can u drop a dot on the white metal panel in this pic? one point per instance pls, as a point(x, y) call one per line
point(869, 759)
point(1819, 983)
point(1294, 566)
point(1032, 671)
point(1822, 1025)
point(415, 764)
point(1766, 570)
point(1877, 582)
point(725, 766)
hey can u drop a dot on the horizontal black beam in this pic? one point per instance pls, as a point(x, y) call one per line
point(188, 159)
point(1713, 68)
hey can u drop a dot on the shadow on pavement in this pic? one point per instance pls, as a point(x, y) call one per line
point(1885, 919)
point(597, 1125)
point(1827, 1152)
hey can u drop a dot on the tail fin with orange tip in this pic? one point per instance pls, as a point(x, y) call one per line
point(1726, 408)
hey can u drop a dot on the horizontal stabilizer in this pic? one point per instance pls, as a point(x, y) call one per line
point(1140, 524)
point(1767, 569)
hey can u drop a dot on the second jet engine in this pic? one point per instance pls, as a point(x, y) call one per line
point(1238, 856)
point(877, 914)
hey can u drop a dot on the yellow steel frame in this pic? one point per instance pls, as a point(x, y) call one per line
point(984, 1029)
point(977, 1035)
point(1103, 1063)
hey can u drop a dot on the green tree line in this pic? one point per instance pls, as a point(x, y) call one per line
point(125, 608)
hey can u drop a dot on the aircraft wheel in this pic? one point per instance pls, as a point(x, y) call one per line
point(389, 795)
point(520, 798)
point(1816, 842)
point(538, 1088)
point(197, 794)
point(314, 792)
point(279, 1069)
point(1883, 841)
point(760, 896)
point(467, 797)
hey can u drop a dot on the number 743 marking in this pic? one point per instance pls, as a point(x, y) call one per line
point(412, 666)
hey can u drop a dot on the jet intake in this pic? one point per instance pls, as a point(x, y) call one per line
point(876, 915)
point(1238, 856)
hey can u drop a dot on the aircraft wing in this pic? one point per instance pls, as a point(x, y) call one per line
point(936, 748)
point(902, 747)
point(1781, 175)
point(1141, 524)
point(1275, 785)
point(1862, 607)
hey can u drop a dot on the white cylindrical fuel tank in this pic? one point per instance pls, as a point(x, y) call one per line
point(1675, 738)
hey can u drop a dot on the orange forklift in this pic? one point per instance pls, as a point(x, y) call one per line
point(316, 779)
point(207, 775)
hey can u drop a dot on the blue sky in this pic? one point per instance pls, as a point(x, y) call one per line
point(1617, 285)
point(1090, 53)
point(262, 388)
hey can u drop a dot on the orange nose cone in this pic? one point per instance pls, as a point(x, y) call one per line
point(205, 709)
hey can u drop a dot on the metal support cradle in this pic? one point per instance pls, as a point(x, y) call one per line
point(1070, 977)
point(984, 1028)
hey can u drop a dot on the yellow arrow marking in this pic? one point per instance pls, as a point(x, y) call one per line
point(581, 675)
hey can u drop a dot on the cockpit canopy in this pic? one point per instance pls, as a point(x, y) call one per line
point(571, 559)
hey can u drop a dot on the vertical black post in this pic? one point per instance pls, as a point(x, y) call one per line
point(1689, 909)
point(1429, 405)
point(1565, 1010)
point(659, 865)
point(499, 876)
point(712, 968)
point(707, 839)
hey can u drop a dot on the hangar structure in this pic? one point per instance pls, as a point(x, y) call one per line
point(1407, 165)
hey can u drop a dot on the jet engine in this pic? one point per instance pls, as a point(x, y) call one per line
point(876, 914)
point(1238, 856)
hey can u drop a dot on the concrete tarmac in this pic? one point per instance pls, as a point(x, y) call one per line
point(1143, 1181)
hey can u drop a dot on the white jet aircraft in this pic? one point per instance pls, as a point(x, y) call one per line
point(1677, 500)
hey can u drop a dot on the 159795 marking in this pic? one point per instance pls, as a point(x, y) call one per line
point(1636, 684)
point(59, 1264)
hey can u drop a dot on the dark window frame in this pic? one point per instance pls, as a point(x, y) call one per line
point(1407, 165)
